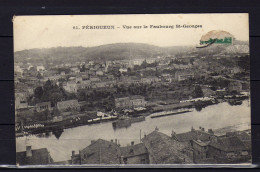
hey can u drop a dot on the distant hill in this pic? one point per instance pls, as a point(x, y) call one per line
point(117, 51)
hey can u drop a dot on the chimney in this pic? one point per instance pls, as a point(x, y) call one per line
point(210, 131)
point(28, 151)
point(112, 141)
point(132, 143)
point(173, 134)
point(116, 141)
point(202, 129)
point(192, 129)
point(73, 153)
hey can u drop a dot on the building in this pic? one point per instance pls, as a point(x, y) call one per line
point(21, 100)
point(43, 106)
point(100, 152)
point(183, 75)
point(68, 105)
point(34, 157)
point(151, 60)
point(227, 147)
point(130, 102)
point(123, 70)
point(99, 73)
point(122, 102)
point(162, 149)
point(209, 148)
point(187, 137)
point(134, 154)
point(40, 68)
point(137, 101)
point(137, 62)
point(71, 87)
point(150, 79)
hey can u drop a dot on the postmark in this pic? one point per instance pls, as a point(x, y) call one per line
point(216, 37)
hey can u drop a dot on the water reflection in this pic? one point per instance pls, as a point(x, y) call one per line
point(61, 143)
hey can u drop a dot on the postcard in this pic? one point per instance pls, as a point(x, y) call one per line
point(153, 90)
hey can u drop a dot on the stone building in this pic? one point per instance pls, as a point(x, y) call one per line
point(34, 157)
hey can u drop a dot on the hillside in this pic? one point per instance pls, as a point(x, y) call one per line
point(118, 51)
point(109, 52)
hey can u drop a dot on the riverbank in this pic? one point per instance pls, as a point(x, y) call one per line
point(84, 119)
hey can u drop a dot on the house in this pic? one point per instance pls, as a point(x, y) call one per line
point(134, 154)
point(75, 70)
point(94, 79)
point(34, 157)
point(43, 106)
point(130, 102)
point(123, 70)
point(151, 60)
point(40, 68)
point(99, 73)
point(21, 100)
point(137, 101)
point(150, 79)
point(187, 137)
point(183, 75)
point(122, 102)
point(162, 149)
point(100, 152)
point(71, 87)
point(227, 147)
point(68, 105)
point(137, 62)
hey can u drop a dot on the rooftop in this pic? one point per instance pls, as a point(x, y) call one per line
point(133, 150)
point(39, 157)
point(100, 152)
point(228, 144)
point(164, 150)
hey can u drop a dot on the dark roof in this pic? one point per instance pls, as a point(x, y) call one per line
point(39, 157)
point(43, 103)
point(133, 150)
point(193, 135)
point(243, 136)
point(163, 150)
point(100, 152)
point(228, 144)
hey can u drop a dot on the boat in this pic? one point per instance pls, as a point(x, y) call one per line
point(235, 102)
point(126, 122)
point(169, 113)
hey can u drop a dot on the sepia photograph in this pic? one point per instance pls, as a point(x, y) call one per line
point(132, 90)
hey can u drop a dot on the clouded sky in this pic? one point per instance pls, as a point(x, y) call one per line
point(53, 31)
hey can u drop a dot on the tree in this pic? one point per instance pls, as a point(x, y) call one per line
point(39, 76)
point(198, 92)
point(38, 92)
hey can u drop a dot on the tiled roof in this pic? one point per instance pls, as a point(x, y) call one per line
point(228, 144)
point(193, 135)
point(133, 150)
point(164, 150)
point(39, 157)
point(100, 152)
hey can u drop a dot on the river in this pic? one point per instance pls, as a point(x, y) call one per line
point(214, 117)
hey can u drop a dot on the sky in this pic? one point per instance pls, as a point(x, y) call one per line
point(54, 31)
